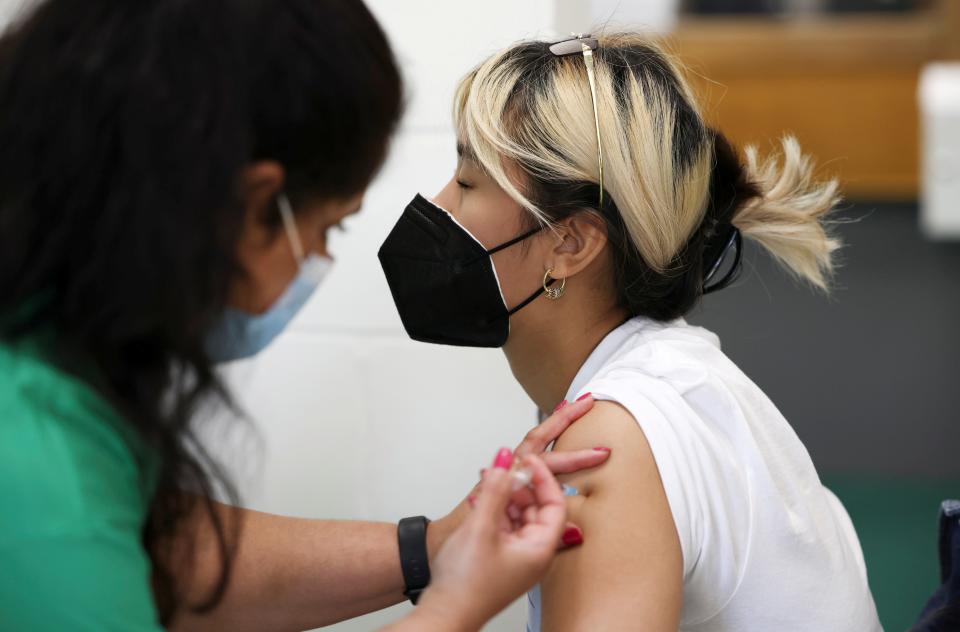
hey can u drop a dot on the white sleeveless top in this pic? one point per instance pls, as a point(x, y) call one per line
point(765, 545)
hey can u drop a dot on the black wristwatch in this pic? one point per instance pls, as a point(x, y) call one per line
point(414, 562)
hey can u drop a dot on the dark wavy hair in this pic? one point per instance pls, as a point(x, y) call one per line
point(123, 129)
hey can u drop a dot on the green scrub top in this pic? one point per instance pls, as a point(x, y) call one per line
point(73, 501)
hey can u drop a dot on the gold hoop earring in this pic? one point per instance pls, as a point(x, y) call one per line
point(553, 293)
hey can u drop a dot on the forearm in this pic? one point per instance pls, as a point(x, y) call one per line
point(297, 574)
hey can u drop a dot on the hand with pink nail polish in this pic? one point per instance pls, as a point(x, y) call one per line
point(539, 439)
point(536, 442)
point(489, 561)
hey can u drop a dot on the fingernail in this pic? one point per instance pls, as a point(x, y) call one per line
point(584, 396)
point(483, 471)
point(600, 448)
point(472, 500)
point(504, 459)
point(572, 536)
point(560, 405)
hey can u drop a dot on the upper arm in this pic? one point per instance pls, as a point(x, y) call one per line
point(628, 574)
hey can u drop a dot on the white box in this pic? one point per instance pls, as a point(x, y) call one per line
point(940, 151)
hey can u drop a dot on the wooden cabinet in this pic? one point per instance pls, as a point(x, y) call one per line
point(845, 85)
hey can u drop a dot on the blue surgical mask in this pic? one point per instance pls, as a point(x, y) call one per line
point(240, 334)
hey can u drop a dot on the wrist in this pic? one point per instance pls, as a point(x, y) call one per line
point(441, 529)
point(438, 612)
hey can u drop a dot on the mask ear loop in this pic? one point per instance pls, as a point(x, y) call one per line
point(512, 242)
point(516, 240)
point(290, 226)
point(531, 298)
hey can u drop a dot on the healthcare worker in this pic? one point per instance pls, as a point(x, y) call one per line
point(169, 171)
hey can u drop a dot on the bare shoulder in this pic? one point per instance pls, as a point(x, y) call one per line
point(610, 425)
point(628, 572)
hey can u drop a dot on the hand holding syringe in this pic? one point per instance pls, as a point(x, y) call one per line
point(523, 477)
point(522, 486)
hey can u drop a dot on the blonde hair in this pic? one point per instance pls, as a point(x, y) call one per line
point(669, 178)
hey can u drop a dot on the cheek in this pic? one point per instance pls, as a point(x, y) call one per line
point(495, 219)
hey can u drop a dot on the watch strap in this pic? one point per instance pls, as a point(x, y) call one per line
point(414, 561)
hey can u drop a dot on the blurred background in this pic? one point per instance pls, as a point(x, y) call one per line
point(350, 419)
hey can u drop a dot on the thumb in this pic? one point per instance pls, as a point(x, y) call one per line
point(496, 488)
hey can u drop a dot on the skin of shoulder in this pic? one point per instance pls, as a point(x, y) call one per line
point(628, 574)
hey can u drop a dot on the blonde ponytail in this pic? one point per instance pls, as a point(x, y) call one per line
point(788, 218)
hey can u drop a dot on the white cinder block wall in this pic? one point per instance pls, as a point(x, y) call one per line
point(348, 418)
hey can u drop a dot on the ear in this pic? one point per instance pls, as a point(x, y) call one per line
point(582, 237)
point(258, 187)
